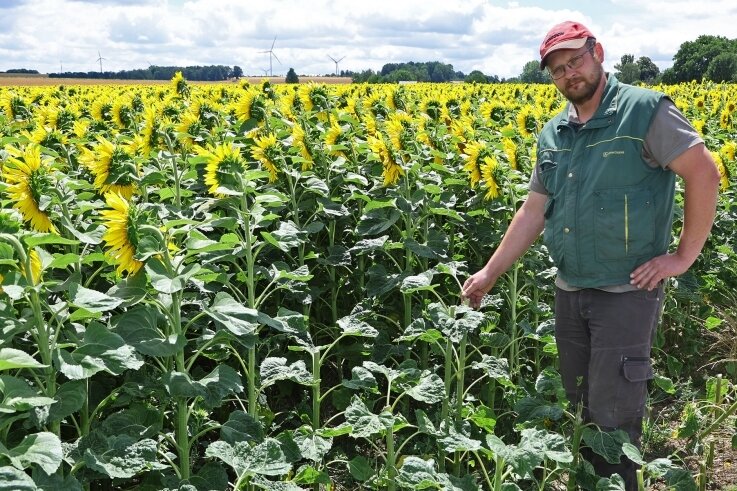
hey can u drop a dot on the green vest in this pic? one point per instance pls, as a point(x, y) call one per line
point(608, 211)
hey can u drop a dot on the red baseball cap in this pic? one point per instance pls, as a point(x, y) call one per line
point(566, 35)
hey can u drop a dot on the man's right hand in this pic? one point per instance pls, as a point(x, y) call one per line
point(476, 286)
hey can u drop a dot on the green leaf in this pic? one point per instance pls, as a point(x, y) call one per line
point(417, 473)
point(122, 456)
point(712, 323)
point(420, 282)
point(352, 326)
point(42, 449)
point(454, 440)
point(266, 458)
point(286, 237)
point(11, 358)
point(360, 468)
point(680, 480)
point(69, 397)
point(19, 396)
point(530, 409)
point(311, 445)
point(430, 389)
point(166, 282)
point(241, 427)
point(102, 350)
point(234, 316)
point(380, 281)
point(137, 421)
point(369, 245)
point(213, 387)
point(139, 327)
point(276, 368)
point(91, 300)
point(484, 417)
point(361, 378)
point(606, 444)
point(377, 221)
point(665, 384)
point(309, 475)
point(36, 240)
point(495, 368)
point(614, 483)
point(362, 421)
point(12, 479)
point(436, 247)
point(633, 453)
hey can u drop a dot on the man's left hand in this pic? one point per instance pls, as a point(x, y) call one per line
point(648, 275)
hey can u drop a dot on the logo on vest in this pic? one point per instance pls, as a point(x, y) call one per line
point(613, 152)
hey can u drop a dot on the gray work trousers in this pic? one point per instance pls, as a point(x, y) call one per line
point(604, 341)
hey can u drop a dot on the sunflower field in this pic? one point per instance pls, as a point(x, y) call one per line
point(256, 286)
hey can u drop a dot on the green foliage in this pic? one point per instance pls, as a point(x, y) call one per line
point(531, 73)
point(292, 77)
point(692, 60)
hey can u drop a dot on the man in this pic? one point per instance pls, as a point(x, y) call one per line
point(603, 192)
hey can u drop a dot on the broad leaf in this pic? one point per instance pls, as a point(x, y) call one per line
point(607, 444)
point(273, 369)
point(11, 358)
point(92, 300)
point(42, 449)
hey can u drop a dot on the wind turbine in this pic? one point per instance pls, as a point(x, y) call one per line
point(337, 74)
point(271, 56)
point(100, 58)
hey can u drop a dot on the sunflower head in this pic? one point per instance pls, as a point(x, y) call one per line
point(723, 171)
point(15, 107)
point(31, 185)
point(299, 142)
point(113, 167)
point(251, 105)
point(189, 129)
point(179, 84)
point(266, 151)
point(123, 221)
point(223, 166)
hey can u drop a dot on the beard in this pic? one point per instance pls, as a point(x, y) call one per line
point(580, 90)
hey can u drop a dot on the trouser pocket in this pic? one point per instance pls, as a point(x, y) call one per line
point(632, 386)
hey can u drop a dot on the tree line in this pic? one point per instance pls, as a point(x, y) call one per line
point(211, 73)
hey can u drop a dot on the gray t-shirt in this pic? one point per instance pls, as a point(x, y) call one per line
point(670, 134)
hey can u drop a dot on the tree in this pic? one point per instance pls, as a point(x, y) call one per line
point(477, 76)
point(649, 71)
point(531, 73)
point(292, 77)
point(693, 57)
point(237, 72)
point(627, 71)
point(723, 68)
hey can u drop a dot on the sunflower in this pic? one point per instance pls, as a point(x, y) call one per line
point(723, 172)
point(122, 221)
point(251, 105)
point(489, 170)
point(298, 142)
point(728, 150)
point(30, 183)
point(36, 266)
point(266, 151)
point(48, 137)
point(474, 157)
point(223, 163)
point(100, 110)
point(335, 136)
point(189, 129)
point(149, 136)
point(399, 130)
point(113, 167)
point(526, 122)
point(180, 84)
point(510, 150)
point(80, 127)
point(725, 119)
point(392, 171)
point(121, 112)
point(15, 106)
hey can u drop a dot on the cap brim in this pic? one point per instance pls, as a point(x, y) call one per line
point(570, 44)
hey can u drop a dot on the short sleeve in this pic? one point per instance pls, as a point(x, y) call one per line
point(670, 134)
point(535, 183)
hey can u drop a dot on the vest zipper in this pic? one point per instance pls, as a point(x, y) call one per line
point(626, 228)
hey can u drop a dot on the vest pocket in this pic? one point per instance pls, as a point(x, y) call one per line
point(624, 222)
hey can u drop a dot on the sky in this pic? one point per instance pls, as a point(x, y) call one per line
point(495, 37)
